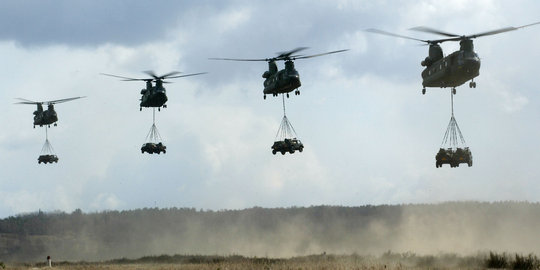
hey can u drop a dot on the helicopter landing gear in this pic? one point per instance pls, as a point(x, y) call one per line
point(472, 84)
point(264, 97)
point(55, 124)
point(423, 91)
point(297, 92)
point(164, 106)
point(159, 109)
point(287, 95)
point(454, 91)
point(34, 126)
point(140, 109)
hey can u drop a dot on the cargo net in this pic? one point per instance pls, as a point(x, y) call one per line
point(286, 138)
point(453, 150)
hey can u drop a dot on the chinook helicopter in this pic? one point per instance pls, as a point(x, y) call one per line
point(283, 81)
point(154, 95)
point(454, 69)
point(45, 117)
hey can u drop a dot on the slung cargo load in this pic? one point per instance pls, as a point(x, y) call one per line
point(47, 154)
point(453, 150)
point(153, 143)
point(286, 138)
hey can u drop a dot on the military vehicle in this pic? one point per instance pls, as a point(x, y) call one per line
point(287, 145)
point(453, 157)
point(153, 148)
point(47, 159)
point(455, 69)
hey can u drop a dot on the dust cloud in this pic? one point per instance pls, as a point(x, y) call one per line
point(456, 227)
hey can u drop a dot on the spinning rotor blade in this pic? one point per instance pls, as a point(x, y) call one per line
point(285, 55)
point(493, 32)
point(457, 37)
point(26, 101)
point(433, 31)
point(62, 100)
point(236, 59)
point(124, 78)
point(377, 31)
point(186, 75)
point(156, 77)
point(168, 75)
point(320, 54)
point(151, 74)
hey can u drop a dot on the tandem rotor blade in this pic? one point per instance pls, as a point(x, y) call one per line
point(168, 75)
point(238, 59)
point(124, 78)
point(377, 31)
point(433, 31)
point(26, 101)
point(62, 100)
point(186, 75)
point(320, 54)
point(289, 53)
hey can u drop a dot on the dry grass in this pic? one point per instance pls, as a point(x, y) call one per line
point(387, 261)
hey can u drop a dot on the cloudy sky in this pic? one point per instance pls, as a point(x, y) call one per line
point(370, 136)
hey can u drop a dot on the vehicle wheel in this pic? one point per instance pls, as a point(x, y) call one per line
point(39, 162)
point(164, 151)
point(142, 151)
point(301, 149)
point(274, 152)
point(292, 151)
point(283, 152)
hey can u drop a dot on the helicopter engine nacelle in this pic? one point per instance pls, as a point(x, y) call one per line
point(427, 62)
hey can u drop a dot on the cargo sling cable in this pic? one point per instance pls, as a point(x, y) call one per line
point(47, 148)
point(153, 135)
point(451, 136)
point(286, 130)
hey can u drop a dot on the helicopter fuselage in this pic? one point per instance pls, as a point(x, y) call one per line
point(153, 97)
point(452, 70)
point(282, 81)
point(45, 117)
